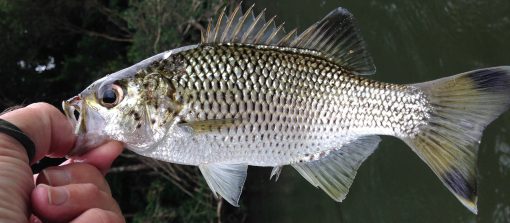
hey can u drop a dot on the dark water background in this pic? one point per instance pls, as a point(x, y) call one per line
point(410, 41)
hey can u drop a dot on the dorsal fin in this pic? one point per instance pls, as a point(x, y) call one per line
point(335, 36)
point(338, 38)
point(240, 27)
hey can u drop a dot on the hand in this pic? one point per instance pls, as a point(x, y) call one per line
point(73, 191)
point(76, 189)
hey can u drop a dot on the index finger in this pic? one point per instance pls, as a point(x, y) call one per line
point(48, 128)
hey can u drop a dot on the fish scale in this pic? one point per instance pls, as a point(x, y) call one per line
point(250, 94)
point(285, 109)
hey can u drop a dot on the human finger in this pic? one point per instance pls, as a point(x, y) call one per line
point(64, 203)
point(101, 157)
point(74, 173)
point(99, 216)
point(46, 126)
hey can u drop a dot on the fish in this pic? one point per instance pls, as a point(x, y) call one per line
point(251, 94)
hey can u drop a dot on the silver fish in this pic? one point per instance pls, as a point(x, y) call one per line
point(250, 94)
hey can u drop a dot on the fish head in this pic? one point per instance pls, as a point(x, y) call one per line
point(135, 106)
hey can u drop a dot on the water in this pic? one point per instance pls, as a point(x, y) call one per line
point(410, 41)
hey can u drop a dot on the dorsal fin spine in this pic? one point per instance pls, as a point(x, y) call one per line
point(230, 20)
point(297, 42)
point(269, 40)
point(263, 30)
point(335, 36)
point(253, 25)
point(286, 39)
point(241, 23)
point(203, 35)
point(218, 24)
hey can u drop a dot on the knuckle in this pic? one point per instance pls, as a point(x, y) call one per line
point(89, 188)
point(42, 106)
point(103, 216)
point(81, 172)
point(85, 168)
point(100, 214)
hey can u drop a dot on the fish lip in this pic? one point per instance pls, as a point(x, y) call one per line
point(84, 140)
point(70, 106)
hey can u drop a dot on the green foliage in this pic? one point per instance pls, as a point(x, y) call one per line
point(196, 209)
point(165, 24)
point(56, 35)
point(85, 40)
point(148, 194)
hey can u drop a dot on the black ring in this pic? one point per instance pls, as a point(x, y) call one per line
point(13, 131)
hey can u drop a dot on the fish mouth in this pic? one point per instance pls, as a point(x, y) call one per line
point(76, 113)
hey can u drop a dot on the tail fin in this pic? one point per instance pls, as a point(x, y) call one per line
point(462, 106)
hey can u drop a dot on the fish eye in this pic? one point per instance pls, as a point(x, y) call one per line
point(110, 96)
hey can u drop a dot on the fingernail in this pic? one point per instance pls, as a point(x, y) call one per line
point(34, 219)
point(57, 195)
point(56, 177)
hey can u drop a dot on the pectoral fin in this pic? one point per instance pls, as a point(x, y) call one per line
point(209, 125)
point(227, 180)
point(335, 172)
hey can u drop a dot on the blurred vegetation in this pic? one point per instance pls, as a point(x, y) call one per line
point(51, 50)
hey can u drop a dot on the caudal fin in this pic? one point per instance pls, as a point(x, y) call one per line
point(462, 106)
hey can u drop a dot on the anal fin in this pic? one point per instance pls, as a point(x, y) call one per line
point(276, 173)
point(335, 173)
point(227, 180)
